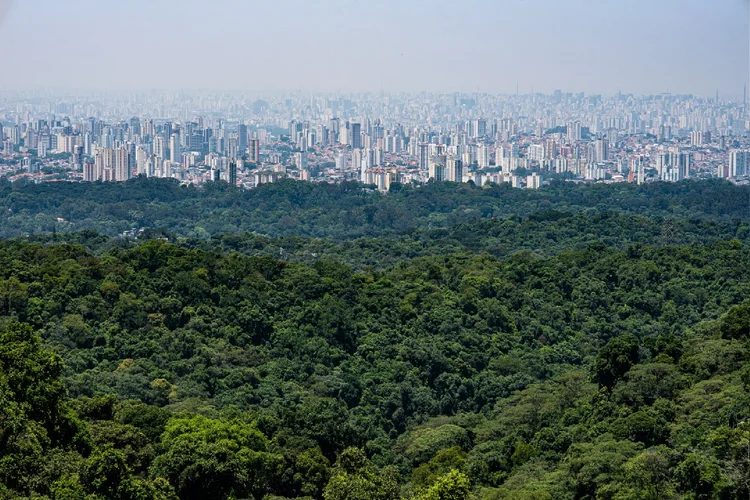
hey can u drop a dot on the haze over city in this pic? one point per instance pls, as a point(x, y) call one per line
point(639, 46)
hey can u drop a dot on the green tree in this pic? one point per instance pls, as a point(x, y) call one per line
point(452, 486)
point(615, 359)
point(355, 478)
point(213, 458)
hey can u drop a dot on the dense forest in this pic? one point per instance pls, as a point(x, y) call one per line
point(576, 342)
point(340, 211)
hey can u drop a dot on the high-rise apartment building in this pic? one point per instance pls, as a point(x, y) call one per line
point(122, 164)
point(254, 150)
point(739, 162)
point(89, 172)
point(424, 157)
point(454, 169)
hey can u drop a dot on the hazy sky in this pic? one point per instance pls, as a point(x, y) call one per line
point(640, 46)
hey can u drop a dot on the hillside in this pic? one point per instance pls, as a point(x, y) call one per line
point(586, 350)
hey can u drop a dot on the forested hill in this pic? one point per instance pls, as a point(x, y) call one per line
point(543, 234)
point(340, 211)
point(442, 343)
point(592, 374)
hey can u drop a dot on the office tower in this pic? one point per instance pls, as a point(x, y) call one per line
point(356, 136)
point(242, 136)
point(254, 153)
point(739, 163)
point(87, 143)
point(135, 127)
point(130, 146)
point(175, 149)
point(167, 131)
point(233, 173)
point(602, 150)
point(122, 164)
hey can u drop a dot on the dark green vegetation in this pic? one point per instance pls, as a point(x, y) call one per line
point(342, 211)
point(584, 350)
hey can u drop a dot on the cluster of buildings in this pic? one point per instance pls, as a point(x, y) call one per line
point(377, 139)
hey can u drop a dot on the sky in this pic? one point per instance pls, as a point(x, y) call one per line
point(592, 46)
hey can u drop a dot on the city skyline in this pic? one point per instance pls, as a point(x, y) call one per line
point(685, 47)
point(376, 139)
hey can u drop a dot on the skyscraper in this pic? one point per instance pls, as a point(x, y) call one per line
point(254, 153)
point(602, 150)
point(696, 138)
point(483, 156)
point(242, 136)
point(739, 162)
point(233, 173)
point(424, 157)
point(140, 160)
point(77, 158)
point(356, 138)
point(454, 169)
point(437, 168)
point(234, 151)
point(533, 181)
point(357, 163)
point(574, 131)
point(89, 172)
point(175, 149)
point(122, 164)
point(300, 160)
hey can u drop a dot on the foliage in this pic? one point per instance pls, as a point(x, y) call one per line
point(557, 355)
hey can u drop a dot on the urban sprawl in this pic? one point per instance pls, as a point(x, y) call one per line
point(378, 139)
